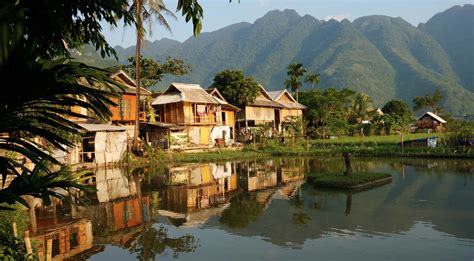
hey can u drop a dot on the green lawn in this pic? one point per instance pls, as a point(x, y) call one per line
point(376, 140)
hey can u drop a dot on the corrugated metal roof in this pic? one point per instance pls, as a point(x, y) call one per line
point(276, 95)
point(90, 127)
point(436, 117)
point(266, 103)
point(166, 125)
point(183, 92)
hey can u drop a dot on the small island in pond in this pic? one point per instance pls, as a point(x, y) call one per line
point(358, 180)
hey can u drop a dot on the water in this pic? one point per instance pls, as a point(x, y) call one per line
point(263, 209)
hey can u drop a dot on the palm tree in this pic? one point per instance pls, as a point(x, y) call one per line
point(312, 78)
point(145, 11)
point(295, 72)
point(361, 106)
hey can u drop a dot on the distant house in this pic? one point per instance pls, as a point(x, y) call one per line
point(225, 128)
point(264, 110)
point(190, 107)
point(291, 108)
point(431, 121)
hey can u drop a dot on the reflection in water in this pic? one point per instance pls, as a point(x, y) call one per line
point(168, 214)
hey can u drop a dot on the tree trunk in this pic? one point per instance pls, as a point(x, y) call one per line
point(297, 95)
point(138, 10)
point(347, 160)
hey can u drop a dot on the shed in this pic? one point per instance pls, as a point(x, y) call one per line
point(102, 144)
point(430, 120)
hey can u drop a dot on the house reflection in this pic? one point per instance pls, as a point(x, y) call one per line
point(186, 195)
point(69, 238)
point(195, 192)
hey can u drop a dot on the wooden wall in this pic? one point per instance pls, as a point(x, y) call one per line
point(259, 113)
point(290, 113)
point(127, 113)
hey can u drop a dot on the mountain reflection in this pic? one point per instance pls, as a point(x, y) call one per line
point(134, 210)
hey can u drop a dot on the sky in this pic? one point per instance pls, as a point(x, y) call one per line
point(221, 13)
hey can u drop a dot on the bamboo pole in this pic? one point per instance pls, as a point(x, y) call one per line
point(29, 249)
point(49, 249)
point(15, 230)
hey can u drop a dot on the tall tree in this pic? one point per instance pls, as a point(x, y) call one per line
point(312, 78)
point(295, 72)
point(145, 11)
point(235, 87)
point(428, 101)
point(398, 107)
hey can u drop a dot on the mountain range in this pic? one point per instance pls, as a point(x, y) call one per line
point(384, 57)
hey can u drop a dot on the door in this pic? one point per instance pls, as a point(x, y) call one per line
point(204, 139)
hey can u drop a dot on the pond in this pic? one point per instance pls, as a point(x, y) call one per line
point(263, 209)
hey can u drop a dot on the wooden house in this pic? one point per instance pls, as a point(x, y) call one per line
point(291, 108)
point(431, 121)
point(190, 106)
point(225, 129)
point(264, 110)
point(125, 111)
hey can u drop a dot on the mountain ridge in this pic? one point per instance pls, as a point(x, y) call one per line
point(384, 57)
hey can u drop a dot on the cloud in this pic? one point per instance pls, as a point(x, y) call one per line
point(338, 17)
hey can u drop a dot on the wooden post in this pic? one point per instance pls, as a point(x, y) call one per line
point(347, 160)
point(401, 140)
point(29, 249)
point(15, 231)
point(49, 249)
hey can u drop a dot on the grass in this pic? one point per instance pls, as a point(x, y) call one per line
point(374, 140)
point(357, 180)
point(374, 146)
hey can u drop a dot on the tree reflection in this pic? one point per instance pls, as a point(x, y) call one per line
point(348, 203)
point(243, 210)
point(152, 243)
point(299, 217)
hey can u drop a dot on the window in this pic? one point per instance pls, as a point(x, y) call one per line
point(124, 108)
point(223, 118)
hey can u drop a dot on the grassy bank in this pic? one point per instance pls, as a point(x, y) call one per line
point(356, 181)
point(373, 146)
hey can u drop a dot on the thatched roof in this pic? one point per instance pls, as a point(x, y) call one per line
point(183, 92)
point(293, 104)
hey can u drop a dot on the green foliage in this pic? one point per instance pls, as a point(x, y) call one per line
point(312, 78)
point(295, 72)
point(327, 111)
point(235, 88)
point(152, 71)
point(398, 107)
point(292, 126)
point(428, 101)
point(40, 183)
point(40, 29)
point(361, 106)
point(45, 88)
